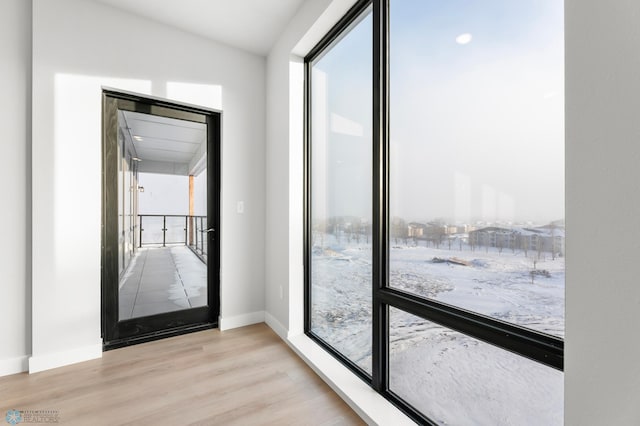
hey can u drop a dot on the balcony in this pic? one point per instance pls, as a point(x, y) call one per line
point(167, 271)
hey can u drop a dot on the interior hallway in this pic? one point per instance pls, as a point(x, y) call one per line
point(162, 279)
point(245, 376)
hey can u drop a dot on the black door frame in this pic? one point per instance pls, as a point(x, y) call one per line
point(116, 333)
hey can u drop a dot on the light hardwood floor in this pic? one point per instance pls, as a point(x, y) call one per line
point(246, 376)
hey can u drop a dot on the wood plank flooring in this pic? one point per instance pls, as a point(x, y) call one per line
point(246, 376)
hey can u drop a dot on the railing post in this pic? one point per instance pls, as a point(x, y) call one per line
point(140, 244)
point(202, 237)
point(164, 231)
point(186, 226)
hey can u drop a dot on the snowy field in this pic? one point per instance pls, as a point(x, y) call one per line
point(495, 284)
point(452, 378)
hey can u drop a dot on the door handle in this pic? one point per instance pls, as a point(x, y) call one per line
point(210, 230)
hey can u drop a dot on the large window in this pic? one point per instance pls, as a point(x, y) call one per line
point(477, 156)
point(435, 205)
point(340, 239)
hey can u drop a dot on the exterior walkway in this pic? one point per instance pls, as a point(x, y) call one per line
point(162, 279)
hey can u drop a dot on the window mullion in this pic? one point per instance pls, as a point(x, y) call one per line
point(380, 195)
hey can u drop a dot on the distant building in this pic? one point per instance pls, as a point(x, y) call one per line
point(416, 229)
point(548, 238)
point(450, 229)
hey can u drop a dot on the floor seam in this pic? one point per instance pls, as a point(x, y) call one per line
point(180, 277)
point(144, 263)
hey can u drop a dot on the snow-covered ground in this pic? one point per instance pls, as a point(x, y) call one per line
point(495, 284)
point(452, 378)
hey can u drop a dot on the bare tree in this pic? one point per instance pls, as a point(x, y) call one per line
point(399, 229)
point(524, 244)
point(553, 242)
point(539, 246)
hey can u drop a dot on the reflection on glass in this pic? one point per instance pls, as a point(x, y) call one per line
point(457, 380)
point(477, 156)
point(122, 259)
point(162, 208)
point(341, 195)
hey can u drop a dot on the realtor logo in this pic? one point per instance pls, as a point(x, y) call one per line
point(13, 417)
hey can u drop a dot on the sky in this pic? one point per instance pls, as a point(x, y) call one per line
point(169, 194)
point(476, 114)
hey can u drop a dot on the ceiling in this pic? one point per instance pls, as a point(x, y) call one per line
point(165, 145)
point(251, 25)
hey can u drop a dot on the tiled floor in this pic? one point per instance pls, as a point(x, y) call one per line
point(162, 279)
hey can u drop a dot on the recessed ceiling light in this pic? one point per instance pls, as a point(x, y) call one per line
point(138, 138)
point(464, 38)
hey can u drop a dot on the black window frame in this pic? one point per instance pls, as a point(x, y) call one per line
point(537, 346)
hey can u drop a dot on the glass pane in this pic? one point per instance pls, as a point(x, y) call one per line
point(152, 227)
point(198, 221)
point(129, 222)
point(341, 122)
point(160, 160)
point(121, 212)
point(457, 380)
point(477, 156)
point(176, 230)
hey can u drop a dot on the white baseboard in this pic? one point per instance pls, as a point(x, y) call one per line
point(14, 365)
point(276, 326)
point(227, 323)
point(60, 359)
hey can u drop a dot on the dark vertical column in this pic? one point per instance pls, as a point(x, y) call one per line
point(109, 217)
point(307, 197)
point(380, 330)
point(214, 144)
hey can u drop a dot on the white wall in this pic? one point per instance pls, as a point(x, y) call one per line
point(602, 353)
point(15, 178)
point(284, 159)
point(79, 46)
point(602, 349)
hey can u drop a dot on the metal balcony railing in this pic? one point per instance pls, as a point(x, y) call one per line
point(163, 230)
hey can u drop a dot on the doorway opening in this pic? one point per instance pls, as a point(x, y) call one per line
point(160, 218)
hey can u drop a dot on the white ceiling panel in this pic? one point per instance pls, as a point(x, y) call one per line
point(159, 119)
point(151, 155)
point(162, 145)
point(176, 144)
point(166, 132)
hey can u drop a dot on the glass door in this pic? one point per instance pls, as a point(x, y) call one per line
point(160, 219)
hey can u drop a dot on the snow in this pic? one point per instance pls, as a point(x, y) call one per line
point(457, 380)
point(496, 284)
point(452, 378)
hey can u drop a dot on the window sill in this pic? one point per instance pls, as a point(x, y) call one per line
point(370, 406)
